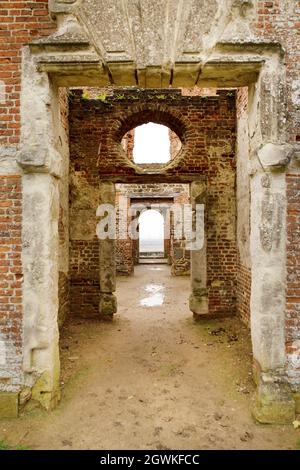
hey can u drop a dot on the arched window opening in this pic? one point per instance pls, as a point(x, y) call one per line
point(151, 144)
point(151, 234)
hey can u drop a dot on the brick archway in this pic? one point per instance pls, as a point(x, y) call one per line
point(157, 113)
point(164, 115)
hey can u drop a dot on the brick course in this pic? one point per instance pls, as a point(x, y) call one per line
point(293, 262)
point(20, 23)
point(11, 280)
point(243, 205)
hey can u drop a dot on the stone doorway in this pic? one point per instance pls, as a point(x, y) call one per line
point(207, 298)
point(266, 184)
point(151, 235)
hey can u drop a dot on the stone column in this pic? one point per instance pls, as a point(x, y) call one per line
point(273, 401)
point(107, 259)
point(40, 158)
point(40, 299)
point(199, 298)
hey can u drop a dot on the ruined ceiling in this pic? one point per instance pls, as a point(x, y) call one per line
point(152, 43)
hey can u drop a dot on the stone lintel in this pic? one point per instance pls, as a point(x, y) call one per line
point(60, 44)
point(149, 177)
point(123, 73)
point(154, 77)
point(72, 70)
point(186, 73)
point(231, 72)
point(255, 46)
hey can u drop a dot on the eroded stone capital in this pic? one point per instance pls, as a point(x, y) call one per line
point(33, 160)
point(275, 156)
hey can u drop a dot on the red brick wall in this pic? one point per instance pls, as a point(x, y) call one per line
point(207, 129)
point(63, 282)
point(243, 291)
point(243, 266)
point(179, 256)
point(175, 144)
point(124, 247)
point(280, 21)
point(125, 257)
point(242, 102)
point(293, 269)
point(84, 277)
point(200, 122)
point(11, 278)
point(20, 22)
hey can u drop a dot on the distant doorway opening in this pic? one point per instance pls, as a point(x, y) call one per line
point(151, 235)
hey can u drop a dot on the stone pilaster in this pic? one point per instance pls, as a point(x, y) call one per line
point(107, 257)
point(198, 299)
point(273, 402)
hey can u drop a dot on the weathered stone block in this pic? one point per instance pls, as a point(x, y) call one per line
point(107, 275)
point(273, 403)
point(36, 160)
point(107, 306)
point(24, 396)
point(296, 397)
point(9, 405)
point(45, 393)
point(275, 156)
point(199, 303)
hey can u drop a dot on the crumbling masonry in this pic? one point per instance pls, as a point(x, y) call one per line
point(61, 155)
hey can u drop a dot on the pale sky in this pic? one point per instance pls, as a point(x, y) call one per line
point(151, 144)
point(151, 228)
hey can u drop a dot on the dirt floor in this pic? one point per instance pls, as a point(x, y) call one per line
point(152, 379)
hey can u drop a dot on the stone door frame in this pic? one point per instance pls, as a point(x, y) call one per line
point(42, 161)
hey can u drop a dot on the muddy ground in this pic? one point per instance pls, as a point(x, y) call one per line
point(153, 379)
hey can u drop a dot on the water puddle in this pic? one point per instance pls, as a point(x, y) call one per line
point(155, 296)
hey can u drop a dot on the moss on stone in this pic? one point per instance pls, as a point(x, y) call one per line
point(107, 306)
point(273, 404)
point(46, 390)
point(297, 401)
point(9, 404)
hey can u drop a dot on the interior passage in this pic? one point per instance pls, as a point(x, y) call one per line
point(152, 379)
